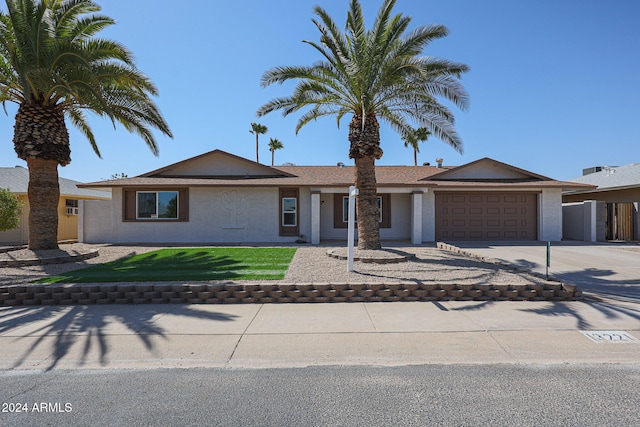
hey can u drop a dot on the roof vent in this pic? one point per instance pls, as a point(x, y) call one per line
point(439, 161)
point(426, 164)
point(340, 164)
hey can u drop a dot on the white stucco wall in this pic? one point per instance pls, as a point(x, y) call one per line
point(238, 215)
point(573, 221)
point(428, 216)
point(400, 218)
point(550, 215)
point(216, 215)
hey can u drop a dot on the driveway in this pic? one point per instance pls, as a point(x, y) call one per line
point(602, 268)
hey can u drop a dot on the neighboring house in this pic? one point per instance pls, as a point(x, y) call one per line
point(16, 179)
point(612, 204)
point(218, 197)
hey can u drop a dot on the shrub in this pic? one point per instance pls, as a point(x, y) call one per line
point(10, 209)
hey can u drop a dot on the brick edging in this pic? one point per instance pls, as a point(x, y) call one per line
point(455, 249)
point(53, 260)
point(263, 292)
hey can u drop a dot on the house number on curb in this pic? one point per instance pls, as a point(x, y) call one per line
point(613, 337)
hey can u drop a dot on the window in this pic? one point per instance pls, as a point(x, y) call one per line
point(345, 209)
point(289, 211)
point(71, 206)
point(157, 205)
point(341, 210)
point(154, 204)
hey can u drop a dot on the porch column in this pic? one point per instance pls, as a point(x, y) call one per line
point(80, 221)
point(315, 217)
point(590, 229)
point(416, 218)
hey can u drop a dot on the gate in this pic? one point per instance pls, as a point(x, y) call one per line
point(619, 221)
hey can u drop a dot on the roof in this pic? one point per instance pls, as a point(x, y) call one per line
point(220, 169)
point(613, 178)
point(16, 179)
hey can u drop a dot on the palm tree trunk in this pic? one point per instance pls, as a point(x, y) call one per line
point(365, 149)
point(367, 206)
point(273, 157)
point(44, 194)
point(415, 157)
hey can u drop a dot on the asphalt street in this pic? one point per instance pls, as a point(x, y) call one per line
point(458, 395)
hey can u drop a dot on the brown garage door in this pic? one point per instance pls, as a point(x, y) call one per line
point(486, 216)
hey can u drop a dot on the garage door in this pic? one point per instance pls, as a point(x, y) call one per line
point(486, 216)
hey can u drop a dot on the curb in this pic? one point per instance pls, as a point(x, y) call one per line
point(263, 293)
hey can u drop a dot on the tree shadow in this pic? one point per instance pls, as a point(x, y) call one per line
point(611, 311)
point(90, 326)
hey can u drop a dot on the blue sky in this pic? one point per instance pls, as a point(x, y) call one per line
point(554, 85)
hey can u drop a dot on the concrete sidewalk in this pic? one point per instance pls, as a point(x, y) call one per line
point(298, 335)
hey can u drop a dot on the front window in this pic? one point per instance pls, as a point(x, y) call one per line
point(289, 211)
point(345, 209)
point(157, 205)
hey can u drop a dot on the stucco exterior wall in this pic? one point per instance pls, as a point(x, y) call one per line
point(400, 218)
point(428, 216)
point(550, 215)
point(67, 224)
point(216, 215)
point(573, 221)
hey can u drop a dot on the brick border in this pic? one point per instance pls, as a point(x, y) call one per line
point(52, 260)
point(504, 264)
point(264, 292)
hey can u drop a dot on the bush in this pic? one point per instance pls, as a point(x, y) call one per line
point(10, 209)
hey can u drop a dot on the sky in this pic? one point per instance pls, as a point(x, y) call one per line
point(554, 85)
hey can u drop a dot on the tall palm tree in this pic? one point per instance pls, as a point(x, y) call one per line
point(372, 74)
point(258, 129)
point(414, 138)
point(55, 68)
point(274, 144)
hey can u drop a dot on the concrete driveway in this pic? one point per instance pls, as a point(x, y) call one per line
point(602, 268)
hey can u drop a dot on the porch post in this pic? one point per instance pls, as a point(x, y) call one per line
point(416, 218)
point(315, 217)
point(590, 230)
point(80, 221)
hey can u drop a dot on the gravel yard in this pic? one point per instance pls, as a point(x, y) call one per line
point(310, 265)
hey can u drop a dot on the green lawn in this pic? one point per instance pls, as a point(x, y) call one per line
point(187, 264)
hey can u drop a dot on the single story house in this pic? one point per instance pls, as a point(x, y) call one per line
point(16, 179)
point(610, 206)
point(218, 197)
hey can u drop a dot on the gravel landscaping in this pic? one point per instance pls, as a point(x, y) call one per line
point(310, 265)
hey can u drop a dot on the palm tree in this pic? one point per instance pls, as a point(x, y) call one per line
point(371, 74)
point(274, 144)
point(258, 129)
point(55, 68)
point(413, 138)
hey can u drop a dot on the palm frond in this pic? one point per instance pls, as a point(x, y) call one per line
point(380, 72)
